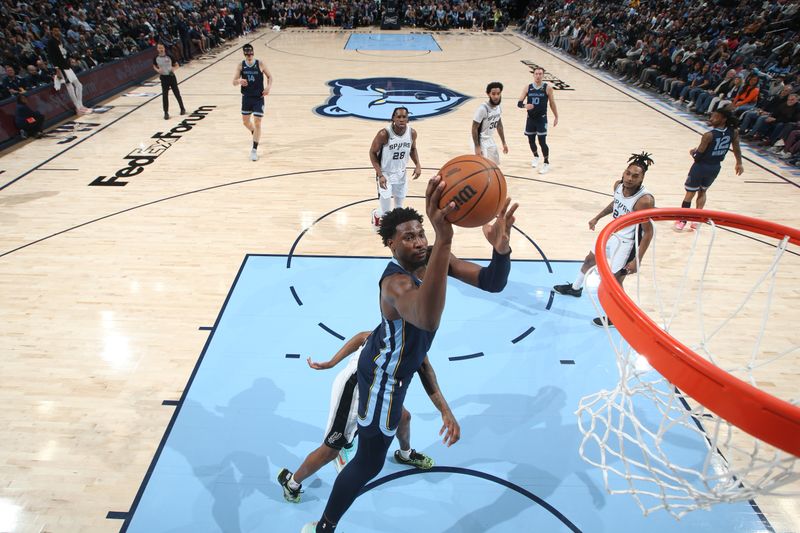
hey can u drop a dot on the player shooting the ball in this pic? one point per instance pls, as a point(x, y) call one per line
point(410, 312)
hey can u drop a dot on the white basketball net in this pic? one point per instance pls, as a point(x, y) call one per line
point(656, 443)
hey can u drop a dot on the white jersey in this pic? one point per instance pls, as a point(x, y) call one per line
point(395, 155)
point(488, 117)
point(624, 205)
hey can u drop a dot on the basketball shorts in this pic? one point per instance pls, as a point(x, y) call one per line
point(253, 105)
point(619, 251)
point(701, 176)
point(342, 425)
point(536, 125)
point(394, 188)
point(489, 151)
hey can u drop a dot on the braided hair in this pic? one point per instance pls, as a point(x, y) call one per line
point(642, 160)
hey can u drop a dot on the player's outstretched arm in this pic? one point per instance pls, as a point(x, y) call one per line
point(450, 428)
point(348, 348)
point(423, 306)
point(491, 278)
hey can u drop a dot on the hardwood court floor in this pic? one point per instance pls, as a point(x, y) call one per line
point(103, 288)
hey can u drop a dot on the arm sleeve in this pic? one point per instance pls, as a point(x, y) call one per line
point(493, 278)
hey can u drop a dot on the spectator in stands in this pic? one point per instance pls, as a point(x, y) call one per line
point(12, 84)
point(28, 121)
point(58, 55)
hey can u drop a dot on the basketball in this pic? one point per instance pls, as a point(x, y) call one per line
point(477, 187)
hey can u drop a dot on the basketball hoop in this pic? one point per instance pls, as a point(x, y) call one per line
point(751, 438)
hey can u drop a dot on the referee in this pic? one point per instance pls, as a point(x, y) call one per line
point(165, 66)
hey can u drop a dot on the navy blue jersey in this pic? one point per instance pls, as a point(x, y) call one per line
point(255, 79)
point(717, 148)
point(537, 97)
point(393, 353)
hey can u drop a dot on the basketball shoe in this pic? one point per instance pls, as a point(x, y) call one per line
point(253, 155)
point(602, 320)
point(289, 494)
point(567, 290)
point(679, 225)
point(342, 458)
point(535, 162)
point(415, 459)
point(311, 527)
point(545, 168)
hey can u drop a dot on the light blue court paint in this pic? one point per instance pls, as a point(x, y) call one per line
point(249, 410)
point(382, 41)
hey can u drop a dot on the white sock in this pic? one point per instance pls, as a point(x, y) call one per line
point(405, 454)
point(578, 280)
point(294, 485)
point(385, 205)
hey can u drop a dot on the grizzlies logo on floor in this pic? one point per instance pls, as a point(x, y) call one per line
point(375, 98)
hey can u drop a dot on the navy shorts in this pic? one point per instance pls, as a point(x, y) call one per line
point(701, 176)
point(253, 104)
point(536, 125)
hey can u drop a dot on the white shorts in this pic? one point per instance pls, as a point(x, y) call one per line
point(618, 252)
point(393, 190)
point(489, 151)
point(70, 76)
point(342, 422)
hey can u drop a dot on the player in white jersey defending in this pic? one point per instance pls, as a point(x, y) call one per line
point(487, 119)
point(389, 153)
point(341, 428)
point(621, 250)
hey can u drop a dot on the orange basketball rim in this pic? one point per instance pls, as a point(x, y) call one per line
point(771, 419)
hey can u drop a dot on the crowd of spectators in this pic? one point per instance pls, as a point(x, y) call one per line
point(700, 55)
point(428, 14)
point(100, 31)
point(104, 30)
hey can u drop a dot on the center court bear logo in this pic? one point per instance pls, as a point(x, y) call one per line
point(376, 98)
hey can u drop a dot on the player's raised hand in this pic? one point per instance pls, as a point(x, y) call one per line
point(498, 233)
point(437, 216)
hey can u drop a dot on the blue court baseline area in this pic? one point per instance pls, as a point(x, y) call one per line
point(253, 406)
point(369, 41)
